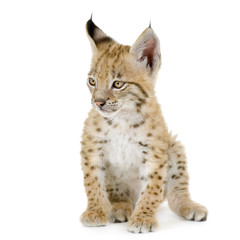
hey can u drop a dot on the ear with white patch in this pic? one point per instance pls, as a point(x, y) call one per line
point(96, 35)
point(146, 50)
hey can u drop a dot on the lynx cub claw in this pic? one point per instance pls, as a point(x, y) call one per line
point(121, 212)
point(142, 224)
point(194, 211)
point(94, 218)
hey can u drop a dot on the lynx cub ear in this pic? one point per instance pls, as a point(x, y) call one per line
point(96, 35)
point(146, 50)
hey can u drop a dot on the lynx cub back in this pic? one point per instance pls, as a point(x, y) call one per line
point(130, 161)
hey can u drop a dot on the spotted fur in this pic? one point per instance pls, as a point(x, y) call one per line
point(130, 161)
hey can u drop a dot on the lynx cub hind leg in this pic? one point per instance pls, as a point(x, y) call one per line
point(177, 185)
point(118, 194)
point(121, 211)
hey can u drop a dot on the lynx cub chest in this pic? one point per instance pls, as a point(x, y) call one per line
point(123, 150)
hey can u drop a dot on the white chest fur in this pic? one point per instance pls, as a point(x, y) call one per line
point(123, 151)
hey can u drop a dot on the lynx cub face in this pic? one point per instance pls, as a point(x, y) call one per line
point(121, 77)
point(129, 160)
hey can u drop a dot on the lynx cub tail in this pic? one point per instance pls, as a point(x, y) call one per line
point(130, 161)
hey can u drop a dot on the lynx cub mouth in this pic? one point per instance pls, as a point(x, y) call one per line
point(106, 112)
point(130, 161)
point(106, 109)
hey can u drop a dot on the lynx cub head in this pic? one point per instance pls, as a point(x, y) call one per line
point(121, 77)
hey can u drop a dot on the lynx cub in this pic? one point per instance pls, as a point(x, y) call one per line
point(130, 161)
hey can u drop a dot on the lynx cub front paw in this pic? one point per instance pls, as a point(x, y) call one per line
point(142, 224)
point(193, 211)
point(121, 212)
point(94, 218)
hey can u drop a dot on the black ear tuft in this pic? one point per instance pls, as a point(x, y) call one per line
point(91, 27)
point(97, 35)
point(150, 25)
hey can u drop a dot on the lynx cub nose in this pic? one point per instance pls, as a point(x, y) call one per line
point(100, 104)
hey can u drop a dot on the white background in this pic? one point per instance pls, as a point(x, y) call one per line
point(44, 61)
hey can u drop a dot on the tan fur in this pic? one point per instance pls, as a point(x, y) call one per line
point(113, 188)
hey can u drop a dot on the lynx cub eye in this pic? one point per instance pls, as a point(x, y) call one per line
point(92, 81)
point(118, 84)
